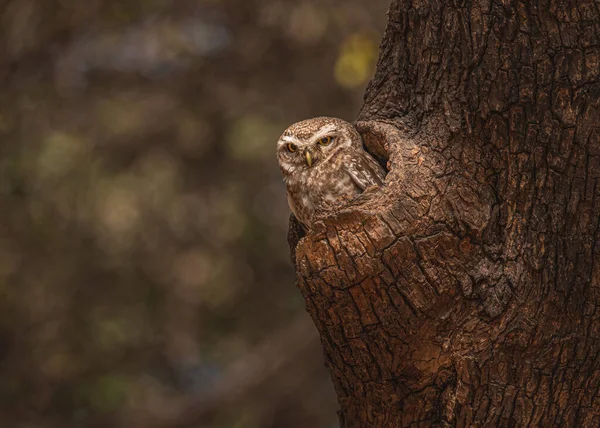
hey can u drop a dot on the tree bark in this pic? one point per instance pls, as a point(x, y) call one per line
point(466, 291)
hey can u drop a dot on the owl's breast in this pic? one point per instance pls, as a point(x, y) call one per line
point(320, 188)
point(335, 188)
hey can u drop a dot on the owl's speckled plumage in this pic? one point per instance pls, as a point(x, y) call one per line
point(320, 176)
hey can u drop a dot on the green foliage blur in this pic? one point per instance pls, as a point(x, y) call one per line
point(145, 278)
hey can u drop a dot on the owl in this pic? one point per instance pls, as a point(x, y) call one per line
point(324, 165)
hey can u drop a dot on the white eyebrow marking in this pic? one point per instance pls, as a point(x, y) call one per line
point(288, 139)
point(323, 131)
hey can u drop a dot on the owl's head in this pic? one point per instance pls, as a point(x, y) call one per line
point(311, 143)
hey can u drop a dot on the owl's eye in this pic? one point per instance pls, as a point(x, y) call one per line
point(325, 141)
point(291, 148)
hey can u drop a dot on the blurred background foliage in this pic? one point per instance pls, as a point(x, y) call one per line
point(145, 278)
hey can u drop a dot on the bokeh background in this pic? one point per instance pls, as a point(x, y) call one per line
point(145, 278)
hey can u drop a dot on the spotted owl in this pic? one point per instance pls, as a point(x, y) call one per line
point(324, 165)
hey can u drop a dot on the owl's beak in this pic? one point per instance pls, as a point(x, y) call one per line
point(309, 158)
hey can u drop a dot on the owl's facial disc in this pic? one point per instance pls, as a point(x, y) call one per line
point(302, 147)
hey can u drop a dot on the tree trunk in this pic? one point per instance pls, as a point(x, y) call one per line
point(466, 291)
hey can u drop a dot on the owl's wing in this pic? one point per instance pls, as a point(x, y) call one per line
point(292, 205)
point(365, 171)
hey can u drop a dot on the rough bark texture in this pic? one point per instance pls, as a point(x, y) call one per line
point(466, 291)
